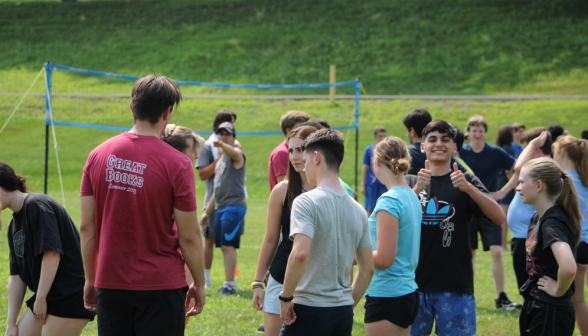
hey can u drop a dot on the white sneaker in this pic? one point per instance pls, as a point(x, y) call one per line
point(208, 285)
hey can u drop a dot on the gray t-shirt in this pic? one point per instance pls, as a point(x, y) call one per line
point(229, 183)
point(207, 158)
point(338, 227)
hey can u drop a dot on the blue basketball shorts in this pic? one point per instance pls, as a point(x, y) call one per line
point(228, 225)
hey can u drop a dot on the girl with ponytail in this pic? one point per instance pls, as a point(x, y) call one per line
point(46, 258)
point(392, 298)
point(553, 234)
point(572, 156)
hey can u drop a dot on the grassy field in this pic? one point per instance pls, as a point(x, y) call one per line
point(394, 46)
point(23, 148)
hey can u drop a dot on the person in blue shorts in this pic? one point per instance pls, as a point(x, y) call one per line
point(449, 200)
point(228, 202)
point(371, 187)
point(572, 155)
point(392, 299)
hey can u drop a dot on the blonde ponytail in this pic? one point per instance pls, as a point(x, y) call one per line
point(392, 152)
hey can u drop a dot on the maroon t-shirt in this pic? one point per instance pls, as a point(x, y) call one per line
point(278, 164)
point(136, 182)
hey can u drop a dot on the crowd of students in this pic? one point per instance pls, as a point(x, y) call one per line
point(140, 262)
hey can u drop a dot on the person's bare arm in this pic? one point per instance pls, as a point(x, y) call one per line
point(566, 272)
point(16, 294)
point(294, 270)
point(271, 239)
point(365, 272)
point(236, 154)
point(89, 252)
point(48, 270)
point(204, 173)
point(488, 205)
point(364, 170)
point(387, 231)
point(527, 153)
point(423, 179)
point(190, 241)
point(209, 210)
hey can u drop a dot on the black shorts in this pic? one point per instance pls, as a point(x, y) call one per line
point(540, 318)
point(582, 254)
point(400, 311)
point(491, 233)
point(128, 312)
point(320, 321)
point(209, 231)
point(72, 307)
point(518, 250)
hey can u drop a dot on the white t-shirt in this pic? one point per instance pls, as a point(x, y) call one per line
point(338, 227)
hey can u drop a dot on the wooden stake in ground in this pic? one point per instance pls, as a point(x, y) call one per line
point(333, 76)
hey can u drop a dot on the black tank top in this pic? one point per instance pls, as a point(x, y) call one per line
point(278, 267)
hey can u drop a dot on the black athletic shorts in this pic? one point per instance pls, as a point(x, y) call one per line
point(582, 254)
point(145, 313)
point(540, 318)
point(72, 307)
point(491, 233)
point(518, 250)
point(400, 311)
point(320, 321)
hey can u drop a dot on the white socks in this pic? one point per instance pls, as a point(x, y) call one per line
point(207, 279)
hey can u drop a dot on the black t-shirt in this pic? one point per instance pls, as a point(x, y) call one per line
point(553, 227)
point(42, 225)
point(445, 257)
point(418, 159)
point(278, 267)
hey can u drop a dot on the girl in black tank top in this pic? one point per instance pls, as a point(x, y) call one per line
point(278, 221)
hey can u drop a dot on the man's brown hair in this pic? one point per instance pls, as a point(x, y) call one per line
point(477, 121)
point(291, 118)
point(535, 132)
point(379, 129)
point(152, 95)
point(330, 144)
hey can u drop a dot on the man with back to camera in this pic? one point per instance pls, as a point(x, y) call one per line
point(371, 188)
point(328, 229)
point(133, 187)
point(519, 214)
point(445, 274)
point(278, 161)
point(228, 202)
point(486, 161)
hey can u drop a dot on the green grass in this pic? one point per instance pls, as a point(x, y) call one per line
point(23, 148)
point(395, 47)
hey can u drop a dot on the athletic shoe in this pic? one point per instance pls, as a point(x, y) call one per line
point(226, 291)
point(502, 302)
point(208, 285)
point(261, 329)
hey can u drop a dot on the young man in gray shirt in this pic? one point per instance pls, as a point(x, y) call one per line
point(228, 202)
point(329, 229)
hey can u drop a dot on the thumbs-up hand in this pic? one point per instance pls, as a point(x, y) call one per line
point(458, 179)
point(424, 177)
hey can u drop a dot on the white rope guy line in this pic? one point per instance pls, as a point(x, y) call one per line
point(23, 97)
point(54, 140)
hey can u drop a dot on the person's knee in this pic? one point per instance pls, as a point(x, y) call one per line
point(226, 248)
point(496, 251)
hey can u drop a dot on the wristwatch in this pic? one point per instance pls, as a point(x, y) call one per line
point(285, 299)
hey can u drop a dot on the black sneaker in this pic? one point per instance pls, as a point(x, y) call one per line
point(502, 302)
point(261, 329)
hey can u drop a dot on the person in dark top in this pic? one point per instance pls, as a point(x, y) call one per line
point(278, 220)
point(556, 131)
point(486, 161)
point(46, 258)
point(449, 199)
point(504, 140)
point(584, 134)
point(553, 235)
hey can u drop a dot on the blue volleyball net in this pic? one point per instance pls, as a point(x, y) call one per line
point(50, 122)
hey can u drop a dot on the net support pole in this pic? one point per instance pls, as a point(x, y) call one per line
point(48, 75)
point(357, 91)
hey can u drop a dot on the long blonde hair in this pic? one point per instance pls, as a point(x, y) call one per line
point(549, 172)
point(577, 151)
